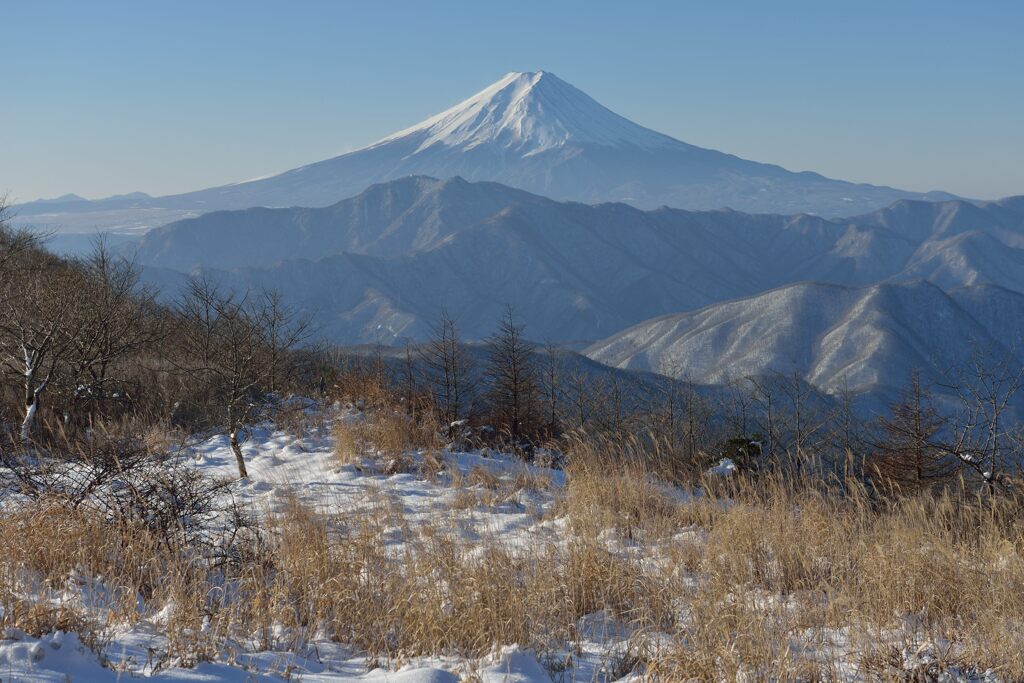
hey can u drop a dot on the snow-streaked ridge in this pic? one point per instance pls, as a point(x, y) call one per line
point(836, 338)
point(530, 112)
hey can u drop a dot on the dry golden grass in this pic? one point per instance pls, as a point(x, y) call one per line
point(754, 587)
point(38, 619)
point(786, 561)
point(783, 565)
point(431, 465)
point(609, 492)
point(530, 480)
point(300, 422)
point(346, 442)
point(46, 548)
point(483, 477)
point(387, 437)
point(160, 439)
point(465, 499)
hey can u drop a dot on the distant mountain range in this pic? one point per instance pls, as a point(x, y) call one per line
point(531, 193)
point(381, 265)
point(864, 339)
point(532, 131)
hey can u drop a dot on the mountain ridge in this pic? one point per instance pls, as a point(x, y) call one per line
point(378, 266)
point(536, 132)
point(835, 337)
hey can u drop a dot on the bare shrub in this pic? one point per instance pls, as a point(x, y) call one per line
point(236, 346)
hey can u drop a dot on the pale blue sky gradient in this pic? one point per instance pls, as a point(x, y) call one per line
point(111, 97)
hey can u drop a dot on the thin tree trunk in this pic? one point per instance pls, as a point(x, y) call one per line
point(237, 448)
point(26, 424)
point(31, 408)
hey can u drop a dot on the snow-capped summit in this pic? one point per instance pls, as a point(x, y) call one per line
point(535, 132)
point(529, 112)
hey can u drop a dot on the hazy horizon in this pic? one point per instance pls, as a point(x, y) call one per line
point(126, 97)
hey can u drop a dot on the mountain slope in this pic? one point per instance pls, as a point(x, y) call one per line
point(536, 132)
point(864, 339)
point(381, 265)
point(389, 219)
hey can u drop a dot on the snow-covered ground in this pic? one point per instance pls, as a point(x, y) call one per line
point(282, 469)
point(62, 658)
point(482, 498)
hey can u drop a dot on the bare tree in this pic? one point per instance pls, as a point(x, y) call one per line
point(117, 319)
point(604, 398)
point(448, 366)
point(283, 328)
point(14, 244)
point(410, 381)
point(552, 387)
point(696, 423)
point(228, 343)
point(792, 422)
point(764, 398)
point(15, 247)
point(580, 386)
point(847, 436)
point(66, 325)
point(39, 325)
point(801, 422)
point(982, 437)
point(513, 382)
point(737, 406)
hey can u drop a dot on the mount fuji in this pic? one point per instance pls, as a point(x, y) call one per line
point(531, 131)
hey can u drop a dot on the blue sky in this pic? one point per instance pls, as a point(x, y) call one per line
point(110, 97)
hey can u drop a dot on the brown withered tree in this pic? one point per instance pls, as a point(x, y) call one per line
point(513, 381)
point(906, 453)
point(447, 372)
